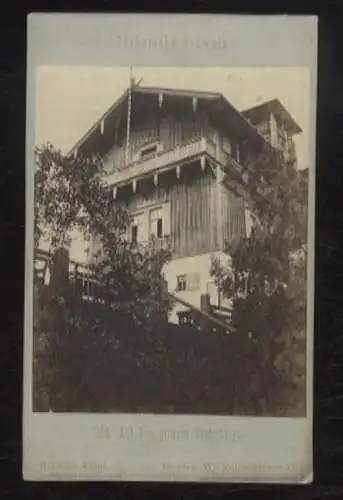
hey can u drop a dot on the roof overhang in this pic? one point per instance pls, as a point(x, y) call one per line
point(218, 106)
point(273, 106)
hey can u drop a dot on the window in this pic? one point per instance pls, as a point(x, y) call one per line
point(156, 222)
point(189, 282)
point(147, 149)
point(160, 221)
point(159, 228)
point(152, 221)
point(156, 228)
point(138, 229)
point(134, 233)
point(181, 283)
point(148, 152)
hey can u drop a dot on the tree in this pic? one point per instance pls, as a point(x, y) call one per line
point(266, 282)
point(69, 194)
point(131, 297)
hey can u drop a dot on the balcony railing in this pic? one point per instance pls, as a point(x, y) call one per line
point(153, 244)
point(162, 160)
point(228, 161)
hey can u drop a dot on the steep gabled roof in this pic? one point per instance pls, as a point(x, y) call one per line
point(274, 106)
point(111, 110)
point(220, 104)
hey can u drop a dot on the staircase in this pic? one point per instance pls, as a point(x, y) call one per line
point(208, 317)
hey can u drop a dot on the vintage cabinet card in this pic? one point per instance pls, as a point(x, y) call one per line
point(169, 258)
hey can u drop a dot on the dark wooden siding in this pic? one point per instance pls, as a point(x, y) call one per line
point(192, 222)
point(168, 129)
point(233, 216)
point(176, 130)
point(192, 218)
point(202, 218)
point(196, 226)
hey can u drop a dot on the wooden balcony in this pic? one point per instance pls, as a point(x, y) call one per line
point(163, 160)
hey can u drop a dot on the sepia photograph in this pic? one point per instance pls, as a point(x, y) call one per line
point(169, 289)
point(171, 240)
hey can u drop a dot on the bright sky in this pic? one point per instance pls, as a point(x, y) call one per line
point(70, 99)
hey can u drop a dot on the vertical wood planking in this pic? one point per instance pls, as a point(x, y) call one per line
point(191, 217)
point(195, 227)
point(173, 130)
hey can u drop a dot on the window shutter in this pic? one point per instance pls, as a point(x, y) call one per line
point(140, 222)
point(155, 215)
point(153, 227)
point(166, 219)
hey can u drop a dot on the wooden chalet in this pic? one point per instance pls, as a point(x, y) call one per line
point(169, 157)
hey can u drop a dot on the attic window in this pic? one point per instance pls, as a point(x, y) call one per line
point(148, 151)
